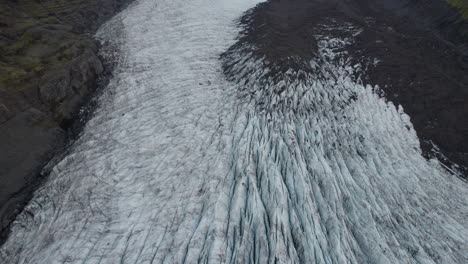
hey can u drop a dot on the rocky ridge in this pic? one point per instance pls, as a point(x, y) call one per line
point(49, 67)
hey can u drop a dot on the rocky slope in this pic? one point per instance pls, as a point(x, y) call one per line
point(48, 67)
point(415, 50)
point(421, 52)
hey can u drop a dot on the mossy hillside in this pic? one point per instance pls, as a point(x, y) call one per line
point(51, 7)
point(462, 5)
point(21, 71)
point(35, 40)
point(48, 68)
point(23, 63)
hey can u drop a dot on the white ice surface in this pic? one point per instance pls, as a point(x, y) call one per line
point(177, 166)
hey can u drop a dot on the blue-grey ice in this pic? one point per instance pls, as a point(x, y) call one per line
point(180, 165)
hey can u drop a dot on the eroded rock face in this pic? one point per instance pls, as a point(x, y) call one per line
point(48, 68)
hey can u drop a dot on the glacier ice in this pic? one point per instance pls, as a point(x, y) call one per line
point(183, 165)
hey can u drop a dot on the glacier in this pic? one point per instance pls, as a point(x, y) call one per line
point(184, 162)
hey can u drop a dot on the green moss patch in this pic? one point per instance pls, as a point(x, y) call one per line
point(15, 78)
point(35, 40)
point(462, 5)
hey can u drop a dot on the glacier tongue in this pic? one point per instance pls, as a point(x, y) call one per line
point(180, 165)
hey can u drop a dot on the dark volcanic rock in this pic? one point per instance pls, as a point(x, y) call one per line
point(423, 64)
point(281, 32)
point(49, 67)
point(428, 77)
point(26, 140)
point(421, 46)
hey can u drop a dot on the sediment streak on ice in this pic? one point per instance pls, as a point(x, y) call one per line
point(181, 166)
